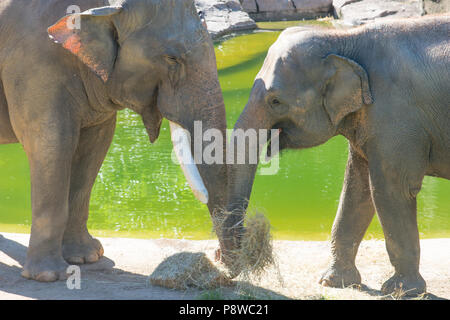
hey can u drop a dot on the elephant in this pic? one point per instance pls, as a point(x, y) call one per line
point(385, 88)
point(65, 76)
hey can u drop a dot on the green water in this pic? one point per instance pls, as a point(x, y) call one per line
point(141, 193)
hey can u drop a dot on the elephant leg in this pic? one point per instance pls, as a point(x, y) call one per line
point(7, 134)
point(354, 215)
point(395, 185)
point(78, 245)
point(49, 148)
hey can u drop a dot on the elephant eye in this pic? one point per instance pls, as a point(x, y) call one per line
point(274, 102)
point(277, 105)
point(172, 60)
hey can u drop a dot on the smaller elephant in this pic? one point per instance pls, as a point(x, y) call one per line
point(385, 87)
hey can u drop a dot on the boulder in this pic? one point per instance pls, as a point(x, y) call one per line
point(436, 6)
point(316, 7)
point(277, 5)
point(249, 6)
point(338, 4)
point(224, 16)
point(263, 10)
point(274, 10)
point(356, 12)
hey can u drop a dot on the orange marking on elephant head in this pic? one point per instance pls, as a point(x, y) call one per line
point(71, 41)
point(59, 31)
point(73, 44)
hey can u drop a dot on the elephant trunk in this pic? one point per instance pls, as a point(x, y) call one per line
point(213, 167)
point(241, 175)
point(207, 174)
point(214, 171)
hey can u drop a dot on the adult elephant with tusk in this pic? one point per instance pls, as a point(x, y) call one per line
point(385, 87)
point(59, 99)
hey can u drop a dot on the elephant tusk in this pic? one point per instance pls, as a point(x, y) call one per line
point(182, 148)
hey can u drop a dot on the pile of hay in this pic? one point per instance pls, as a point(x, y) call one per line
point(255, 253)
point(189, 269)
point(194, 269)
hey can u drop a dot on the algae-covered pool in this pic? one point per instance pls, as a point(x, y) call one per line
point(141, 193)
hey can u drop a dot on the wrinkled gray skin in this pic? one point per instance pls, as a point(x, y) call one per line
point(59, 100)
point(385, 87)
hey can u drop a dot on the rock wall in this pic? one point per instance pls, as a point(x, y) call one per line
point(227, 16)
point(356, 12)
point(263, 10)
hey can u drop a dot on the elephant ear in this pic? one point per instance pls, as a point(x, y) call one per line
point(90, 36)
point(346, 88)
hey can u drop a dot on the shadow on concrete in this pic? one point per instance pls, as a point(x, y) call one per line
point(102, 280)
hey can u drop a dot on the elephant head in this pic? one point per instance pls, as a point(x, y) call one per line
point(306, 89)
point(156, 58)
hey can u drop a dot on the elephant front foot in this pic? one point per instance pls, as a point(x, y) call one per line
point(81, 250)
point(339, 277)
point(404, 286)
point(45, 269)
